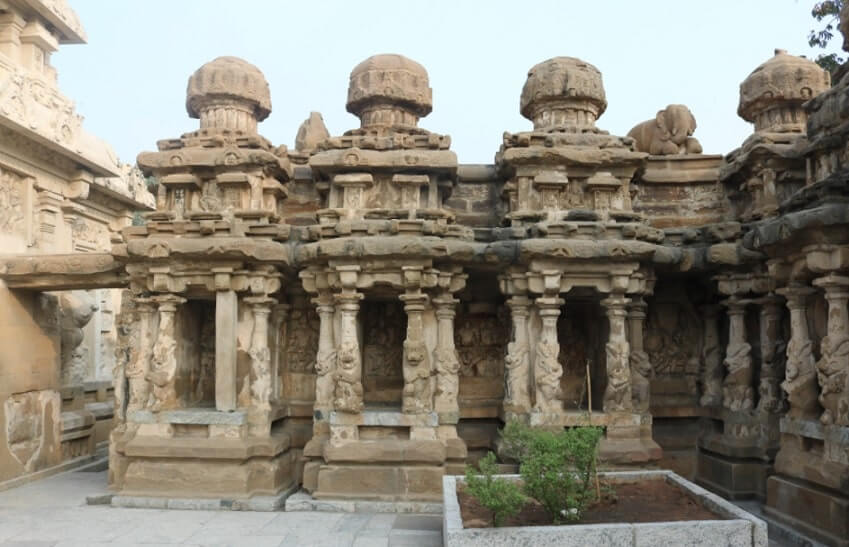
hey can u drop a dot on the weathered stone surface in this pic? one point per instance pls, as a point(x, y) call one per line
point(575, 281)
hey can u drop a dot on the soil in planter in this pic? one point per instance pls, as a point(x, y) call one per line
point(644, 501)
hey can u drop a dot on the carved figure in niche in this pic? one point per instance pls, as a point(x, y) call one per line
point(204, 381)
point(77, 307)
point(11, 203)
point(737, 391)
point(641, 372)
point(163, 365)
point(517, 363)
point(32, 428)
point(831, 374)
point(383, 351)
point(447, 365)
point(126, 352)
point(302, 340)
point(670, 132)
point(770, 396)
point(479, 339)
point(417, 385)
point(349, 389)
point(617, 395)
point(673, 340)
point(800, 385)
point(547, 377)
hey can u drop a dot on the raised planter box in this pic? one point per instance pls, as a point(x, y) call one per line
point(740, 529)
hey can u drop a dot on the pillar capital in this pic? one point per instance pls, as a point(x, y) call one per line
point(835, 286)
point(168, 302)
point(796, 295)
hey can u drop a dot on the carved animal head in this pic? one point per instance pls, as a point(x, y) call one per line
point(77, 308)
point(415, 352)
point(676, 123)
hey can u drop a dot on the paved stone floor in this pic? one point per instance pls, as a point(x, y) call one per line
point(52, 513)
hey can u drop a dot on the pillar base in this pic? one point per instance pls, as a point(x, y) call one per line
point(732, 478)
point(199, 454)
point(819, 513)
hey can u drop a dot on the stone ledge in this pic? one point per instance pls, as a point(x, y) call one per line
point(302, 501)
point(384, 418)
point(386, 451)
point(813, 429)
point(188, 416)
point(205, 448)
point(256, 503)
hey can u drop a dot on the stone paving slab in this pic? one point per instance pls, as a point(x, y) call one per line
point(53, 513)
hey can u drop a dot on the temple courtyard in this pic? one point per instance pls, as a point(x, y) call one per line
point(53, 512)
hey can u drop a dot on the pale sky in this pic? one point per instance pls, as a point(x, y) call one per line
point(129, 81)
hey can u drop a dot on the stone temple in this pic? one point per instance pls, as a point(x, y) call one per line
point(358, 316)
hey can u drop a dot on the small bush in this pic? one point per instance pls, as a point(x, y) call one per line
point(502, 497)
point(556, 467)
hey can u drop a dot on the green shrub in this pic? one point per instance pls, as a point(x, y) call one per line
point(501, 496)
point(557, 468)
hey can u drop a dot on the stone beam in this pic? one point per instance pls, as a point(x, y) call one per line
point(62, 272)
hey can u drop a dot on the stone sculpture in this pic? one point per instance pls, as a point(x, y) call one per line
point(417, 394)
point(77, 309)
point(311, 133)
point(349, 388)
point(669, 133)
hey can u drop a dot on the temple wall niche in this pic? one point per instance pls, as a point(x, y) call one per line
point(673, 341)
point(481, 333)
point(195, 380)
point(384, 326)
point(581, 330)
point(300, 347)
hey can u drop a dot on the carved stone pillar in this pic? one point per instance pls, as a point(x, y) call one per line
point(418, 389)
point(163, 364)
point(279, 326)
point(617, 394)
point(712, 371)
point(641, 368)
point(325, 361)
point(517, 399)
point(737, 390)
point(800, 379)
point(139, 363)
point(348, 376)
point(261, 380)
point(833, 366)
point(547, 369)
point(772, 356)
point(446, 361)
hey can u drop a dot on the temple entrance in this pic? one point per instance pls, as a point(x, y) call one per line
point(384, 329)
point(195, 332)
point(582, 331)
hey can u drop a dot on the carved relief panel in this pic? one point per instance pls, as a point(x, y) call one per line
point(384, 330)
point(481, 334)
point(673, 340)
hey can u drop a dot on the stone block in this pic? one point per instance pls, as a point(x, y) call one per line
point(733, 478)
point(819, 513)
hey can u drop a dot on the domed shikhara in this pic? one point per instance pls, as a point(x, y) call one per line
point(228, 93)
point(563, 93)
point(772, 96)
point(389, 90)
